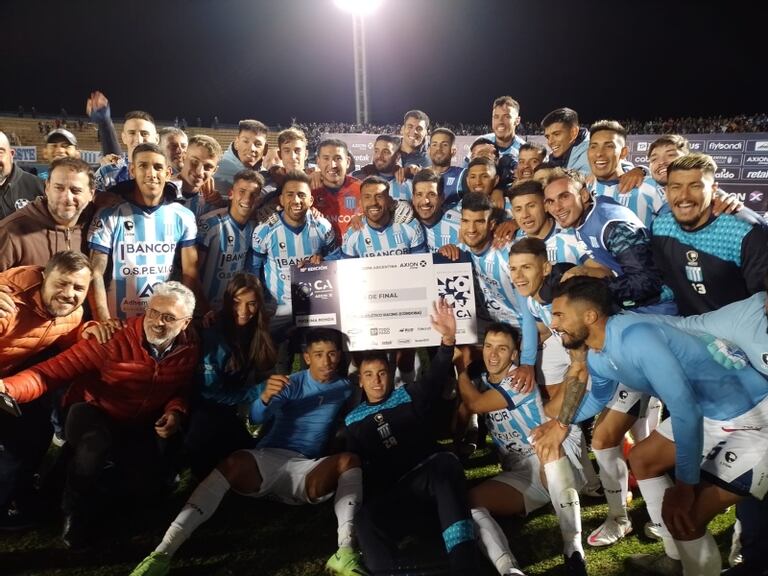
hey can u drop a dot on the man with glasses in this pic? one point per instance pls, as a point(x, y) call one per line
point(126, 405)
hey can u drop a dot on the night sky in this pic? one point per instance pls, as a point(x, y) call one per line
point(278, 59)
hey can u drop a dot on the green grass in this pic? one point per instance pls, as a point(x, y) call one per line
point(252, 537)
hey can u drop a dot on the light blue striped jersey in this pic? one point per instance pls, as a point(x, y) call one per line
point(541, 312)
point(492, 271)
point(511, 426)
point(196, 204)
point(395, 238)
point(143, 243)
point(512, 150)
point(562, 246)
point(277, 246)
point(397, 191)
point(224, 250)
point(110, 174)
point(444, 231)
point(645, 200)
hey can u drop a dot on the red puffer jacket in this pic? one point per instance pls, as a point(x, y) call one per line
point(121, 377)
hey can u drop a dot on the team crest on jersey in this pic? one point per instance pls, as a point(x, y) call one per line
point(350, 203)
point(20, 203)
point(230, 240)
point(692, 270)
point(398, 238)
point(450, 180)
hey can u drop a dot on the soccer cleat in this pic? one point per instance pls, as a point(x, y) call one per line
point(652, 531)
point(156, 564)
point(345, 562)
point(653, 565)
point(609, 532)
point(575, 565)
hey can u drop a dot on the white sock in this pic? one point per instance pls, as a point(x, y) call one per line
point(653, 490)
point(349, 495)
point(493, 542)
point(614, 476)
point(593, 482)
point(565, 500)
point(653, 415)
point(200, 506)
point(640, 430)
point(700, 557)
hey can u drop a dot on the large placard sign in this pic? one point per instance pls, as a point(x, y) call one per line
point(384, 302)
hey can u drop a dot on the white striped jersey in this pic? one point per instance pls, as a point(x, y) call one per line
point(562, 246)
point(395, 238)
point(645, 201)
point(492, 272)
point(224, 250)
point(143, 243)
point(541, 312)
point(510, 427)
point(444, 231)
point(277, 246)
point(397, 191)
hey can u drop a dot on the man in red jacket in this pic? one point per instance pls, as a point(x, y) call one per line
point(44, 311)
point(127, 401)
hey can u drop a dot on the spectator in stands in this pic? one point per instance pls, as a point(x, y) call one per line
point(246, 151)
point(32, 235)
point(17, 187)
point(60, 144)
point(46, 309)
point(127, 405)
point(174, 143)
point(139, 128)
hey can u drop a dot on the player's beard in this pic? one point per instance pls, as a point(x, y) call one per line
point(575, 340)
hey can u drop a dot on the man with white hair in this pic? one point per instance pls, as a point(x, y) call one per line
point(126, 404)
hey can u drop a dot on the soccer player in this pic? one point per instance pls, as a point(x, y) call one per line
point(225, 235)
point(143, 235)
point(491, 267)
point(717, 410)
point(442, 150)
point(339, 196)
point(401, 459)
point(380, 235)
point(525, 483)
point(482, 176)
point(567, 141)
point(294, 237)
point(707, 261)
point(413, 147)
point(196, 178)
point(530, 157)
point(246, 151)
point(505, 118)
point(528, 210)
point(607, 148)
point(138, 128)
point(441, 226)
point(386, 153)
point(288, 463)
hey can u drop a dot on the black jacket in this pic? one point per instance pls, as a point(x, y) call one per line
point(19, 189)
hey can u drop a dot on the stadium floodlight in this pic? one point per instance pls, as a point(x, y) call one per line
point(359, 9)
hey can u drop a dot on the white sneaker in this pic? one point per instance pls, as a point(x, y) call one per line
point(652, 531)
point(609, 532)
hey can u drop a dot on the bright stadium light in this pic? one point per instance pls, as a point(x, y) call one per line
point(359, 9)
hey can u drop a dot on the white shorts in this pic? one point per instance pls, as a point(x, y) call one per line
point(735, 451)
point(524, 473)
point(283, 476)
point(628, 401)
point(554, 361)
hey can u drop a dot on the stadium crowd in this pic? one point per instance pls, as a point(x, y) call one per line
point(147, 306)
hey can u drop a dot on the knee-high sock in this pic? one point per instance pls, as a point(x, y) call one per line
point(593, 482)
point(700, 557)
point(565, 500)
point(640, 429)
point(653, 490)
point(614, 476)
point(349, 495)
point(200, 506)
point(492, 541)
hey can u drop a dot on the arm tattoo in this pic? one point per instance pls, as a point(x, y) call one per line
point(575, 386)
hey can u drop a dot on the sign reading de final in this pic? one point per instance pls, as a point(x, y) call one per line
point(385, 302)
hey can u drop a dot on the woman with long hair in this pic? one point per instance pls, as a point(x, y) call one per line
point(238, 354)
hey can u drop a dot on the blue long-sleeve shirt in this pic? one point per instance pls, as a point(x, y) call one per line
point(649, 356)
point(305, 411)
